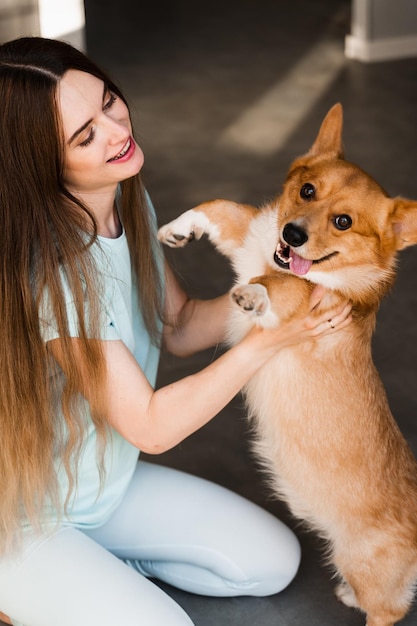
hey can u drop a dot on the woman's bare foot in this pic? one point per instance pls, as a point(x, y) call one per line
point(5, 618)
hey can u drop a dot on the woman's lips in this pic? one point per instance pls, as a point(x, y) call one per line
point(125, 153)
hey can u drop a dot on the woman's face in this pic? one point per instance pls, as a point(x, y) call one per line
point(99, 148)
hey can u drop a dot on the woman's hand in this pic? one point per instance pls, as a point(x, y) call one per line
point(327, 323)
point(300, 329)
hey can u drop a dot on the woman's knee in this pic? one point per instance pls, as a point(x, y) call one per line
point(275, 558)
point(81, 583)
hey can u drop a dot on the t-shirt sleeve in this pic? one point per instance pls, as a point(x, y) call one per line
point(49, 326)
point(114, 286)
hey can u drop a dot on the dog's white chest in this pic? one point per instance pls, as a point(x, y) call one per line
point(257, 252)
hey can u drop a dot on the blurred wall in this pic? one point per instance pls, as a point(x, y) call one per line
point(57, 19)
point(18, 17)
point(382, 30)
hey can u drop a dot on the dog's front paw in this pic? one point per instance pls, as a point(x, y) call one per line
point(252, 299)
point(188, 226)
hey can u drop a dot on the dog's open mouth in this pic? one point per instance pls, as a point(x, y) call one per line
point(287, 259)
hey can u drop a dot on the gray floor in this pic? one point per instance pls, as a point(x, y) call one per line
point(225, 94)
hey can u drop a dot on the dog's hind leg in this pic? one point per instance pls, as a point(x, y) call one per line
point(225, 223)
point(380, 587)
point(380, 610)
point(346, 594)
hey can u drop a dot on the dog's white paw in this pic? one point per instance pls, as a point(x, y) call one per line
point(251, 299)
point(188, 226)
point(345, 594)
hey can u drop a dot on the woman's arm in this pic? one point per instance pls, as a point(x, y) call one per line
point(155, 421)
point(186, 328)
point(192, 325)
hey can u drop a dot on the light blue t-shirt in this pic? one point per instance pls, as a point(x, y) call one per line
point(122, 320)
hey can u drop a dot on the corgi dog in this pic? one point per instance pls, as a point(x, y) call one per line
point(323, 427)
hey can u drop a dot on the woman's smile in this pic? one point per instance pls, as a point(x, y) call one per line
point(126, 152)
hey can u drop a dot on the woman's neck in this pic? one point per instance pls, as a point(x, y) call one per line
point(110, 226)
point(103, 206)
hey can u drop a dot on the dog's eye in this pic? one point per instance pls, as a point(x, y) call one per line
point(342, 222)
point(307, 191)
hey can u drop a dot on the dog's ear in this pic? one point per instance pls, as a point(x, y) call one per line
point(404, 222)
point(329, 138)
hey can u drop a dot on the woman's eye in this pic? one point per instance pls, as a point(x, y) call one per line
point(342, 222)
point(109, 103)
point(308, 191)
point(89, 139)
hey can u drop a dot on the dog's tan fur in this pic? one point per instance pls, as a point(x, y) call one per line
point(324, 428)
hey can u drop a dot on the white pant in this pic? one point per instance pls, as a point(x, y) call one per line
point(172, 526)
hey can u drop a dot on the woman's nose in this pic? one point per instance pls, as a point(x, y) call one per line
point(116, 128)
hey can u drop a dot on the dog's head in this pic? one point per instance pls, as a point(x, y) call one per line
point(337, 226)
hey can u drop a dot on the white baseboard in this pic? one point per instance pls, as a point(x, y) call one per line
point(380, 49)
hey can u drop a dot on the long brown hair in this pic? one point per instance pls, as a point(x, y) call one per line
point(43, 239)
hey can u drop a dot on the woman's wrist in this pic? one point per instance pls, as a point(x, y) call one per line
point(262, 344)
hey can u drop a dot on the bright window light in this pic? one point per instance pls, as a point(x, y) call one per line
point(58, 19)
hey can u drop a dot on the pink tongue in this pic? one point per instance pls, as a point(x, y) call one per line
point(299, 265)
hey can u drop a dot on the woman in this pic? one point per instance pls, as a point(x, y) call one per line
point(85, 305)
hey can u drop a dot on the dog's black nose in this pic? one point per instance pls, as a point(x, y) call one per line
point(293, 235)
